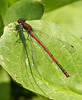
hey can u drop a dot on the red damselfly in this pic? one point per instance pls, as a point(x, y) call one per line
point(29, 29)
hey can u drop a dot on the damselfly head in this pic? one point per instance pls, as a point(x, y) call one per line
point(21, 20)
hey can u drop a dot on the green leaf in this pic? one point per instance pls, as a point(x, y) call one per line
point(3, 10)
point(17, 59)
point(69, 17)
point(4, 85)
point(55, 4)
point(30, 10)
point(3, 7)
point(39, 98)
point(11, 2)
point(1, 25)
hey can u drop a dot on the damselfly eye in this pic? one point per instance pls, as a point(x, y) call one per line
point(19, 21)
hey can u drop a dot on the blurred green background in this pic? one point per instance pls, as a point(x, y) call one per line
point(66, 13)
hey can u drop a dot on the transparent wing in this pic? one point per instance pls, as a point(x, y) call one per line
point(24, 52)
point(32, 59)
point(53, 40)
point(30, 62)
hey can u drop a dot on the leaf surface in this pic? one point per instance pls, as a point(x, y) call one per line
point(16, 58)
